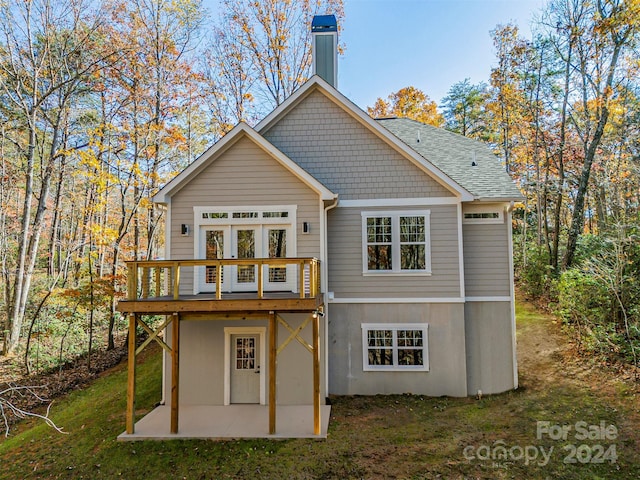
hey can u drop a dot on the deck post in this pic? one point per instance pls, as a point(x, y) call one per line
point(302, 272)
point(219, 270)
point(132, 279)
point(146, 280)
point(131, 378)
point(260, 280)
point(316, 374)
point(273, 345)
point(158, 271)
point(176, 282)
point(175, 370)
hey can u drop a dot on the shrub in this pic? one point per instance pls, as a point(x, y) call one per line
point(536, 276)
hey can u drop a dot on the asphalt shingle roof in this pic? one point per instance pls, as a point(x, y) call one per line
point(455, 156)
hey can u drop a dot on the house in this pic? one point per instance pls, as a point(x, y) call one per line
point(321, 253)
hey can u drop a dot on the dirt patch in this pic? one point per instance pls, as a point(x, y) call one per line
point(547, 358)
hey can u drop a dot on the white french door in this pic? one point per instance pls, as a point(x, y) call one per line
point(246, 242)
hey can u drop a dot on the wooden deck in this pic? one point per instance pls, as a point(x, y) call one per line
point(154, 288)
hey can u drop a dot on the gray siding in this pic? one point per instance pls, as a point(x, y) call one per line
point(243, 175)
point(345, 156)
point(345, 258)
point(489, 341)
point(486, 259)
point(446, 350)
point(202, 363)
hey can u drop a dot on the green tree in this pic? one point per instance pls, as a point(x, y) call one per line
point(463, 109)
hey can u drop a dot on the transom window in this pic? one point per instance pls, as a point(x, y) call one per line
point(205, 215)
point(396, 242)
point(484, 214)
point(395, 347)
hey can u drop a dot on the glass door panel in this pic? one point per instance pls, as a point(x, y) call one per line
point(276, 244)
point(214, 249)
point(245, 248)
point(212, 244)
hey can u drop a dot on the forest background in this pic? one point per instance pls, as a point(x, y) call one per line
point(102, 102)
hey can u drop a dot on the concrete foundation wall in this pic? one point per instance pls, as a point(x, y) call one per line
point(202, 363)
point(490, 350)
point(446, 350)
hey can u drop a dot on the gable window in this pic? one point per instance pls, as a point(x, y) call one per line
point(396, 242)
point(483, 214)
point(395, 347)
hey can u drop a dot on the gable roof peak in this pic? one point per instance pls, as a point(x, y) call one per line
point(241, 130)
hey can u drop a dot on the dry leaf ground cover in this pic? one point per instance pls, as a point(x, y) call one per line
point(570, 419)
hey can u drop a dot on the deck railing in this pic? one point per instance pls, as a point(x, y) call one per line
point(161, 278)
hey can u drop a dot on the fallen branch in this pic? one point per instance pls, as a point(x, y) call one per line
point(8, 407)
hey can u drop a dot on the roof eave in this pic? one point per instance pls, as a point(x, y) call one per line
point(508, 198)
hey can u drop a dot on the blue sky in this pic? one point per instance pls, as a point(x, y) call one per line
point(429, 44)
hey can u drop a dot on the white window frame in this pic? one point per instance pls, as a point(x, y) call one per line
point(395, 241)
point(483, 210)
point(394, 327)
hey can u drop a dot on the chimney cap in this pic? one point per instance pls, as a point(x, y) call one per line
point(324, 23)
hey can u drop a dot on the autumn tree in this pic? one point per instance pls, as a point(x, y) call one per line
point(605, 30)
point(141, 140)
point(48, 52)
point(505, 105)
point(268, 44)
point(408, 102)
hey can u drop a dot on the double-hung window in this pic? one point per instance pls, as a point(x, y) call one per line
point(395, 347)
point(396, 242)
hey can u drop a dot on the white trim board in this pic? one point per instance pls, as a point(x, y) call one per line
point(418, 299)
point(488, 299)
point(459, 219)
point(399, 202)
point(397, 300)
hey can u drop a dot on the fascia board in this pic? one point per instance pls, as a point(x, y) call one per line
point(499, 199)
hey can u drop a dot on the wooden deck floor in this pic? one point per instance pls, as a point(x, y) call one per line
point(230, 302)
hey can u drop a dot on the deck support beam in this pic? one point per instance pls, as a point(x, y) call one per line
point(273, 349)
point(131, 378)
point(175, 371)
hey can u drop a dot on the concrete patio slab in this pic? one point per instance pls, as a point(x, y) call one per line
point(230, 422)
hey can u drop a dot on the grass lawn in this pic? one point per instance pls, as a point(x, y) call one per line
point(404, 436)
